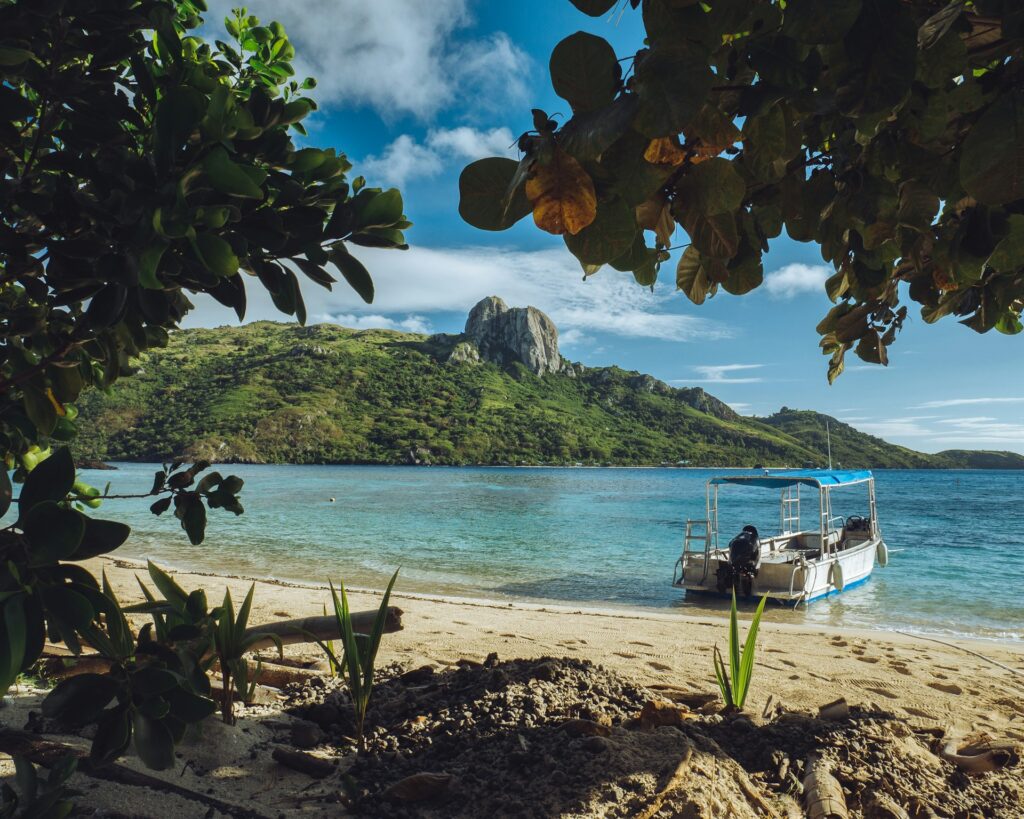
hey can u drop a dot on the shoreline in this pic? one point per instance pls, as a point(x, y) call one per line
point(112, 465)
point(553, 606)
point(962, 684)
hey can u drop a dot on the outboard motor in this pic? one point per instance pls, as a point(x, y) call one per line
point(744, 560)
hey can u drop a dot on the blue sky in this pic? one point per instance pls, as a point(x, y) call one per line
point(413, 90)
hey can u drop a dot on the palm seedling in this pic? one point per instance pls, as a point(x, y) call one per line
point(734, 681)
point(360, 653)
point(230, 645)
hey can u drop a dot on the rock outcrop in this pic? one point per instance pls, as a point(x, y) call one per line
point(505, 335)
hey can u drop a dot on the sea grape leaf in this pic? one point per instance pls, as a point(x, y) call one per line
point(562, 193)
point(584, 71)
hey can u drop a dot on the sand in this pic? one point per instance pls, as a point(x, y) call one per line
point(958, 685)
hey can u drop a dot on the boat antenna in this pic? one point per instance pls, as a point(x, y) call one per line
point(828, 437)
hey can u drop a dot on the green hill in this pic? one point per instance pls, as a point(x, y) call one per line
point(272, 393)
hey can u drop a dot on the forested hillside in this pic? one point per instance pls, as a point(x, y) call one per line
point(270, 393)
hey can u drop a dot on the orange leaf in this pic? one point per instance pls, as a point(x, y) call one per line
point(665, 151)
point(562, 194)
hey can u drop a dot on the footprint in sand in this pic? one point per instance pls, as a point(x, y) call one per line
point(511, 636)
point(901, 669)
point(917, 712)
point(625, 654)
point(659, 666)
point(790, 663)
point(838, 642)
point(882, 692)
point(794, 676)
point(867, 659)
point(948, 688)
point(638, 643)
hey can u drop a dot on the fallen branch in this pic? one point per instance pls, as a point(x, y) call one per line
point(979, 753)
point(289, 632)
point(823, 795)
point(47, 753)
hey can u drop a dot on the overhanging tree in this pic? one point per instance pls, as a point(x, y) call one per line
point(889, 132)
point(139, 163)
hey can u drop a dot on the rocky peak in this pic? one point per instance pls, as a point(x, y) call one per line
point(505, 335)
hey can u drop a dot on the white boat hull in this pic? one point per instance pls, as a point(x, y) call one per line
point(787, 578)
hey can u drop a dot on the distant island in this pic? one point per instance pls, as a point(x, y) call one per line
point(498, 394)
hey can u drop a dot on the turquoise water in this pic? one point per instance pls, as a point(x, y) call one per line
point(595, 537)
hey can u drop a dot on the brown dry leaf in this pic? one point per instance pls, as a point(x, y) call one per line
point(656, 214)
point(665, 151)
point(562, 194)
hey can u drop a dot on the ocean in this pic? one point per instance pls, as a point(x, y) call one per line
point(594, 538)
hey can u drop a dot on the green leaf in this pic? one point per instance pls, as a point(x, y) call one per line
point(54, 532)
point(113, 735)
point(6, 490)
point(380, 210)
point(992, 158)
point(101, 537)
point(606, 238)
point(354, 273)
point(711, 187)
point(69, 606)
point(746, 669)
point(166, 585)
point(153, 742)
point(884, 60)
point(716, 237)
point(584, 71)
point(16, 631)
point(595, 8)
point(51, 479)
point(815, 22)
point(11, 56)
point(228, 177)
point(216, 254)
point(483, 187)
point(40, 410)
point(636, 179)
point(673, 82)
point(189, 707)
point(25, 776)
point(80, 699)
point(1008, 254)
point(177, 115)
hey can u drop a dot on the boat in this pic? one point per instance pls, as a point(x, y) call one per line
point(797, 565)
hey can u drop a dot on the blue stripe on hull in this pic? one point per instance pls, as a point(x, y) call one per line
point(822, 596)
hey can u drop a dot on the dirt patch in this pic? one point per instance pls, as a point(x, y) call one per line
point(562, 737)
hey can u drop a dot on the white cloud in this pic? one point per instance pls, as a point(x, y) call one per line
point(720, 374)
point(396, 56)
point(573, 337)
point(423, 281)
point(406, 159)
point(372, 321)
point(962, 402)
point(794, 279)
point(740, 407)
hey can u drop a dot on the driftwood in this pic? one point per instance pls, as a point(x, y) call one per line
point(835, 710)
point(302, 762)
point(979, 753)
point(823, 795)
point(289, 632)
point(47, 754)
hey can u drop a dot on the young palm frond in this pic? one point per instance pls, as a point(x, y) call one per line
point(734, 681)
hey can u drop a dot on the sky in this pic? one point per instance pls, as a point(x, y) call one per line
point(412, 91)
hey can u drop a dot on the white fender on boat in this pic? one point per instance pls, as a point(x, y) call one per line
point(835, 575)
point(882, 554)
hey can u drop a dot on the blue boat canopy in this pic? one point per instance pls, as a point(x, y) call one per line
point(790, 477)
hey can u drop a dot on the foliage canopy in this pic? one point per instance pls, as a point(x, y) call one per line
point(888, 132)
point(140, 164)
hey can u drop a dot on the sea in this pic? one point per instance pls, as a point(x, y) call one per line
point(593, 538)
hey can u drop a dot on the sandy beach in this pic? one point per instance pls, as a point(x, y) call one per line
point(960, 686)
